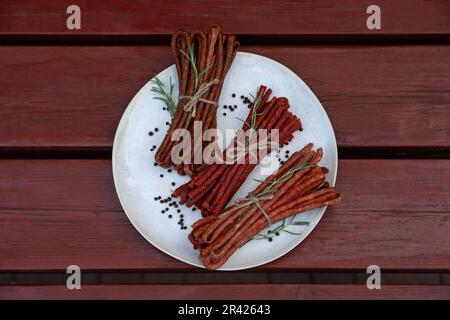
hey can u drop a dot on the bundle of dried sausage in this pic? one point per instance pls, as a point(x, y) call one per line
point(202, 62)
point(297, 186)
point(215, 185)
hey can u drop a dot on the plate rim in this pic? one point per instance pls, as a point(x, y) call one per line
point(300, 239)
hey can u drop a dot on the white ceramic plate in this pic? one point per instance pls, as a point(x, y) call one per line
point(138, 181)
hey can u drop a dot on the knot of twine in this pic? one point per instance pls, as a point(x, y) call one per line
point(247, 202)
point(191, 105)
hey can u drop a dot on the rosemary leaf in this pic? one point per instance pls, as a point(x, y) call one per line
point(300, 223)
point(166, 97)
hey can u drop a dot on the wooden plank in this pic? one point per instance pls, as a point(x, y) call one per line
point(395, 214)
point(267, 17)
point(74, 96)
point(227, 291)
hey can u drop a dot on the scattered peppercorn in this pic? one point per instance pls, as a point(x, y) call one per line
point(224, 114)
point(173, 183)
point(167, 123)
point(161, 175)
point(170, 216)
point(270, 239)
point(156, 129)
point(234, 95)
point(150, 133)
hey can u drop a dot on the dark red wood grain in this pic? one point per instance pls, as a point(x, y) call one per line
point(264, 17)
point(74, 96)
point(395, 213)
point(224, 292)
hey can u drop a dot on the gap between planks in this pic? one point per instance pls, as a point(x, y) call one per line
point(105, 153)
point(244, 39)
point(316, 277)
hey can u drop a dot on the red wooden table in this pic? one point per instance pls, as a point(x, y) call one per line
point(387, 92)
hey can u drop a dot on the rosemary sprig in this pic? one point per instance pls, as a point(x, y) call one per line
point(190, 55)
point(166, 97)
point(285, 176)
point(281, 228)
point(256, 102)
